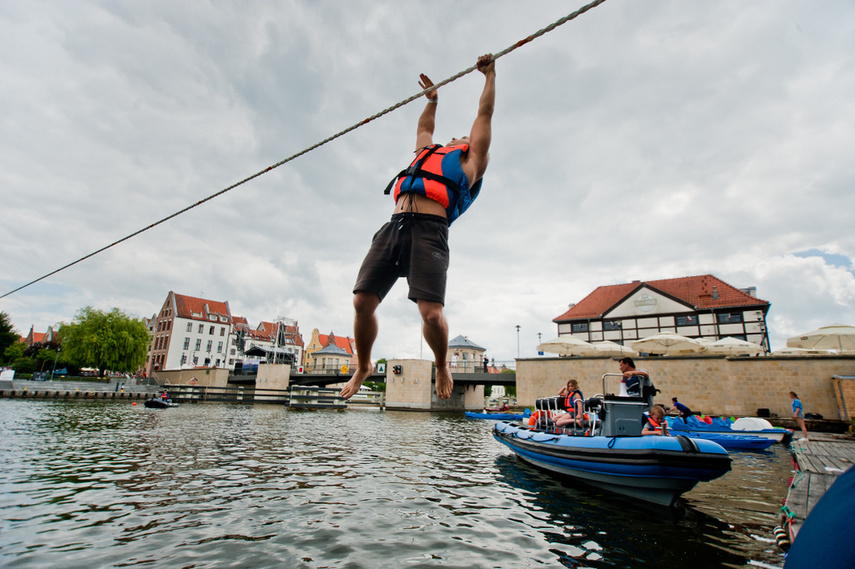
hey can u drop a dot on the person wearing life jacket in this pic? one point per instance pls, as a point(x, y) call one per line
point(574, 402)
point(655, 423)
point(438, 186)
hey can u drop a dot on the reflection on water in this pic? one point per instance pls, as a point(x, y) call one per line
point(109, 484)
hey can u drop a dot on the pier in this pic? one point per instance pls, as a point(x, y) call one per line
point(818, 462)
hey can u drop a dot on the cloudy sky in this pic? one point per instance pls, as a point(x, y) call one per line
point(643, 140)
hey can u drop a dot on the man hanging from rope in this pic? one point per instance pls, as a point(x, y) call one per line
point(436, 189)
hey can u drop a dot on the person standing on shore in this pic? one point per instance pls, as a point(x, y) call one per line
point(437, 187)
point(799, 413)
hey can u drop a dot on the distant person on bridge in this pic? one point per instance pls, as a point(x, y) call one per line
point(439, 185)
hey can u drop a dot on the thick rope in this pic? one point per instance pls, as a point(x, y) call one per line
point(386, 111)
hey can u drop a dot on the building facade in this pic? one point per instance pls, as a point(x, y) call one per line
point(465, 355)
point(697, 307)
point(189, 332)
point(329, 360)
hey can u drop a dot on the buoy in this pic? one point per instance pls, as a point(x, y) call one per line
point(134, 403)
point(782, 538)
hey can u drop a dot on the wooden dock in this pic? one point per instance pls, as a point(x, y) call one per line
point(818, 462)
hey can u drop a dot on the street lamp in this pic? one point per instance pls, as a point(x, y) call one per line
point(518, 341)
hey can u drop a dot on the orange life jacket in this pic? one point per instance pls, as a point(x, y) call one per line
point(437, 174)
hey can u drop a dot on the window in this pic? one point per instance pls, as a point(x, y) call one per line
point(198, 346)
point(201, 328)
point(580, 327)
point(690, 320)
point(612, 325)
point(210, 343)
point(186, 344)
point(729, 318)
point(189, 326)
point(211, 331)
point(220, 348)
point(222, 331)
point(183, 359)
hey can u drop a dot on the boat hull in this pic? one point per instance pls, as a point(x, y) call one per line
point(652, 468)
point(775, 434)
point(732, 441)
point(159, 404)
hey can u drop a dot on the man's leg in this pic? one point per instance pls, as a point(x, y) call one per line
point(435, 330)
point(364, 333)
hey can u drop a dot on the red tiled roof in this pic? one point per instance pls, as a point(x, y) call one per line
point(694, 291)
point(186, 306)
point(341, 342)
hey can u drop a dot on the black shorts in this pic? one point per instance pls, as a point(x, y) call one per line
point(412, 245)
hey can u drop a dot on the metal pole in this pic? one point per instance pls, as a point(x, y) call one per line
point(54, 363)
point(518, 341)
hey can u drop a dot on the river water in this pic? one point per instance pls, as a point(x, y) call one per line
point(110, 484)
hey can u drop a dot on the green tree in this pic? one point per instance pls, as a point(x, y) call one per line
point(8, 336)
point(105, 340)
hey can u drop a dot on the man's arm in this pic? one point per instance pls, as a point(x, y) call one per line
point(424, 129)
point(482, 133)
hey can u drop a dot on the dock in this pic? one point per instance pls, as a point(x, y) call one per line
point(818, 462)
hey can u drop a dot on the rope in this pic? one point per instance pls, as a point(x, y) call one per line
point(363, 122)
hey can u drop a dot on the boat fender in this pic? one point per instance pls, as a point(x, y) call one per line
point(782, 538)
point(688, 444)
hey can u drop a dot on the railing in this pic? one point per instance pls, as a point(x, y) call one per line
point(474, 366)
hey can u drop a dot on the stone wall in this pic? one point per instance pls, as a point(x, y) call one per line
point(273, 376)
point(204, 377)
point(412, 388)
point(708, 384)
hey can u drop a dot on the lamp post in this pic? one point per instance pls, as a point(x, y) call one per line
point(518, 341)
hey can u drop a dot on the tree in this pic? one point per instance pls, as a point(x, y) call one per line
point(8, 336)
point(105, 340)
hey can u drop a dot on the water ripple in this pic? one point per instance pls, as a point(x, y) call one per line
point(114, 485)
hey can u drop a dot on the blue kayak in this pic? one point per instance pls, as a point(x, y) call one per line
point(495, 416)
point(731, 442)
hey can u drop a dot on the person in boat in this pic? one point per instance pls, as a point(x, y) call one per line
point(678, 408)
point(501, 408)
point(439, 185)
point(574, 403)
point(635, 379)
point(799, 413)
point(654, 422)
point(164, 396)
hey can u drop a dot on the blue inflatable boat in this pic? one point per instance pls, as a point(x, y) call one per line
point(609, 451)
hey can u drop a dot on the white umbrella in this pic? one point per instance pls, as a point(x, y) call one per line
point(566, 346)
point(799, 352)
point(733, 347)
point(667, 343)
point(607, 348)
point(837, 337)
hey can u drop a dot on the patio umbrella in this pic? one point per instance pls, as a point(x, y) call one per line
point(837, 337)
point(733, 347)
point(608, 348)
point(799, 352)
point(667, 343)
point(566, 346)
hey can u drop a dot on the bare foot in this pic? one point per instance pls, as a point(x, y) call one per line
point(356, 381)
point(444, 383)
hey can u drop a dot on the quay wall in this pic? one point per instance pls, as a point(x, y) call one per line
point(711, 385)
